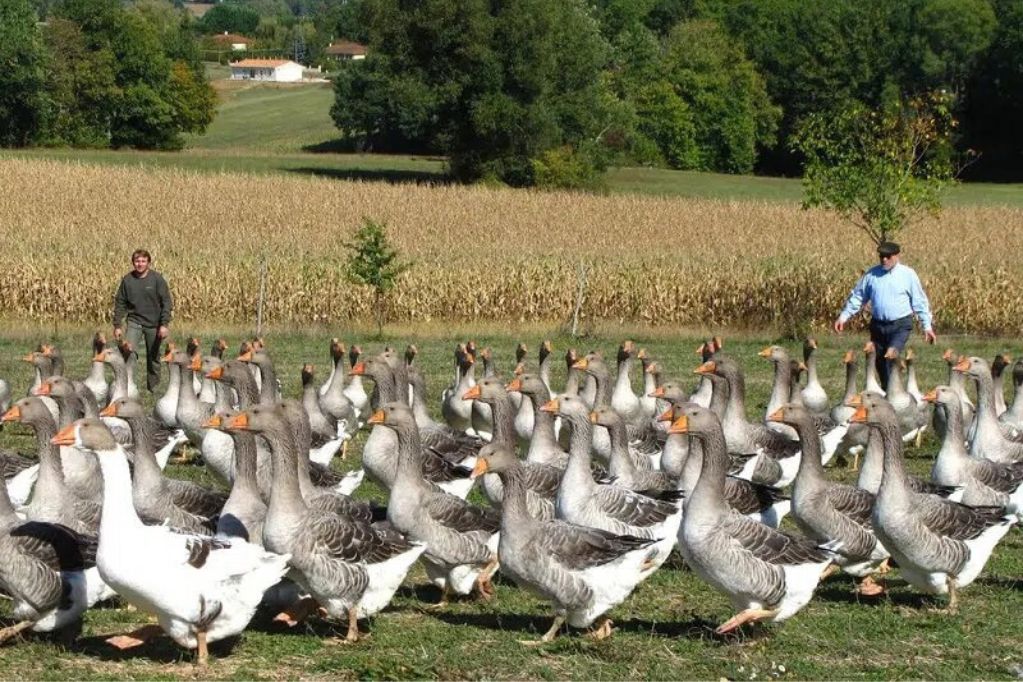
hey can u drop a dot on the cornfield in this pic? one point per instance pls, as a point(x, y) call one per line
point(477, 253)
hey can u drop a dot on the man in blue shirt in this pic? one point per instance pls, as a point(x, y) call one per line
point(895, 295)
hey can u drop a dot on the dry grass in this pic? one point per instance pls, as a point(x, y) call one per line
point(484, 254)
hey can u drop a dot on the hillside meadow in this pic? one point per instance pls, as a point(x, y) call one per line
point(663, 631)
point(477, 253)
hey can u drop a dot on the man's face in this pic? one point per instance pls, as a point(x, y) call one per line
point(141, 265)
point(888, 262)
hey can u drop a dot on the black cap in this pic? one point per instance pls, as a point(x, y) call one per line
point(887, 249)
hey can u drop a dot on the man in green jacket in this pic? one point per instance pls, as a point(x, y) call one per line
point(146, 300)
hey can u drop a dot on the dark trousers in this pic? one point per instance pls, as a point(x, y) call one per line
point(136, 334)
point(885, 335)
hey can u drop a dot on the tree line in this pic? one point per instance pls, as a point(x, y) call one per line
point(530, 91)
point(99, 73)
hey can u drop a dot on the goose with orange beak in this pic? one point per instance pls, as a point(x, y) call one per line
point(544, 447)
point(354, 389)
point(984, 482)
point(872, 383)
point(457, 411)
point(453, 445)
point(913, 416)
point(166, 407)
point(96, 381)
point(53, 501)
point(461, 538)
point(768, 575)
point(585, 502)
point(584, 572)
point(833, 515)
point(339, 413)
point(706, 350)
point(183, 505)
point(779, 456)
point(81, 470)
point(991, 439)
point(349, 568)
point(112, 358)
point(380, 452)
point(200, 589)
point(940, 546)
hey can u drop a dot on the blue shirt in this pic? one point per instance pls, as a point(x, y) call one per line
point(893, 294)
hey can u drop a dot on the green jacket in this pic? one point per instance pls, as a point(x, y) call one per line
point(145, 300)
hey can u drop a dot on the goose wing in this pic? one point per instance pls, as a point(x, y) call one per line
point(579, 547)
point(56, 546)
point(1004, 478)
point(953, 520)
point(195, 499)
point(854, 503)
point(770, 545)
point(459, 515)
point(336, 537)
point(747, 497)
point(632, 508)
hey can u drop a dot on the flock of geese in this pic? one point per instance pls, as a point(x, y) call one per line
point(589, 489)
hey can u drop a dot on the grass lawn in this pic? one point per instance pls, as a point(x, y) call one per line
point(663, 631)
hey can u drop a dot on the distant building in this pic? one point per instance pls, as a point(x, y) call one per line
point(233, 41)
point(277, 70)
point(345, 49)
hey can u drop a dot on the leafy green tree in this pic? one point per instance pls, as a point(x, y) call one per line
point(231, 17)
point(22, 75)
point(732, 116)
point(492, 84)
point(880, 169)
point(373, 262)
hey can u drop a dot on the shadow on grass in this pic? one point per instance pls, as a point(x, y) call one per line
point(159, 649)
point(390, 176)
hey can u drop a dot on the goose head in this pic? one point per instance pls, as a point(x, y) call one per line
point(308, 375)
point(99, 342)
point(849, 358)
point(395, 415)
point(125, 408)
point(809, 347)
point(670, 390)
point(87, 434)
point(520, 352)
point(259, 419)
point(496, 458)
point(411, 351)
point(605, 416)
point(218, 348)
point(546, 348)
point(192, 345)
point(57, 387)
point(31, 411)
point(488, 390)
point(775, 354)
point(626, 350)
point(942, 395)
point(999, 364)
point(972, 366)
point(220, 420)
point(874, 411)
point(694, 420)
point(527, 384)
point(593, 364)
point(337, 349)
point(792, 414)
point(354, 353)
point(568, 407)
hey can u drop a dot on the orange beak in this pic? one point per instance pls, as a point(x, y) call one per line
point(657, 392)
point(514, 385)
point(359, 369)
point(551, 406)
point(777, 416)
point(109, 411)
point(166, 357)
point(196, 365)
point(680, 425)
point(802, 366)
point(859, 416)
point(706, 368)
point(246, 356)
point(213, 422)
point(98, 357)
point(932, 396)
point(239, 422)
point(473, 393)
point(868, 347)
point(377, 417)
point(962, 365)
point(667, 416)
point(766, 353)
point(66, 436)
point(12, 415)
point(699, 349)
point(949, 354)
point(855, 401)
point(581, 364)
point(42, 389)
point(216, 373)
point(31, 357)
point(593, 417)
point(848, 357)
point(480, 468)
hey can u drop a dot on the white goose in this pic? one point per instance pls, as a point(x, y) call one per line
point(200, 589)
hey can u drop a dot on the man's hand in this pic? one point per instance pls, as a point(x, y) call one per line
point(930, 336)
point(118, 333)
point(839, 326)
point(162, 332)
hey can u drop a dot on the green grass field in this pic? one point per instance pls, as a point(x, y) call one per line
point(664, 631)
point(286, 128)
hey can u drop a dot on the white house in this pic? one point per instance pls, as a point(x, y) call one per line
point(277, 70)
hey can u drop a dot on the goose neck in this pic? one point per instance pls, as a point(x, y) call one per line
point(119, 513)
point(707, 500)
